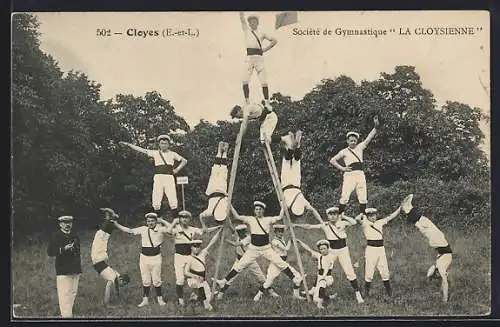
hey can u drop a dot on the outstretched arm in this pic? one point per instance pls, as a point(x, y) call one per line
point(123, 228)
point(236, 215)
point(350, 220)
point(316, 214)
point(305, 246)
point(307, 226)
point(372, 133)
point(213, 240)
point(137, 148)
point(392, 215)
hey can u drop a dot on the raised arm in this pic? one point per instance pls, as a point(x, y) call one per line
point(137, 148)
point(349, 220)
point(123, 228)
point(372, 133)
point(171, 226)
point(393, 215)
point(316, 214)
point(335, 162)
point(236, 215)
point(181, 165)
point(243, 21)
point(288, 244)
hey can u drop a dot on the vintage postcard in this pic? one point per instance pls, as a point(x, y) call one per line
point(250, 164)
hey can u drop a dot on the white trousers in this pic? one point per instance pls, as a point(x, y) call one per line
point(180, 262)
point(354, 181)
point(375, 258)
point(254, 269)
point(254, 252)
point(67, 288)
point(344, 258)
point(164, 184)
point(272, 272)
point(295, 201)
point(150, 267)
point(108, 274)
point(255, 62)
point(217, 207)
point(268, 126)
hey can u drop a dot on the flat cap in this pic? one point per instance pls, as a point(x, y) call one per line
point(164, 137)
point(65, 218)
point(151, 215)
point(259, 204)
point(369, 211)
point(279, 227)
point(353, 134)
point(196, 242)
point(184, 214)
point(332, 210)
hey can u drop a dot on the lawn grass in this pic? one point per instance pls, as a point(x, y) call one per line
point(33, 280)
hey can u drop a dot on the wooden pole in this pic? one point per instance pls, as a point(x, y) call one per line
point(279, 192)
point(232, 178)
point(183, 201)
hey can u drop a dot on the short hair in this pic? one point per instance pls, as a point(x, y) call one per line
point(234, 112)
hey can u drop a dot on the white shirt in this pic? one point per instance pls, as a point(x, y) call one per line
point(349, 157)
point(157, 235)
point(373, 231)
point(279, 246)
point(335, 231)
point(325, 262)
point(244, 243)
point(169, 156)
point(265, 222)
point(185, 235)
point(99, 251)
point(431, 232)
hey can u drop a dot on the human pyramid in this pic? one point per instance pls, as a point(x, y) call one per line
point(253, 236)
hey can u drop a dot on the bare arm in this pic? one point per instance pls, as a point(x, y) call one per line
point(305, 246)
point(316, 214)
point(236, 215)
point(211, 229)
point(288, 245)
point(213, 240)
point(171, 226)
point(137, 148)
point(393, 215)
point(335, 162)
point(350, 220)
point(372, 133)
point(123, 228)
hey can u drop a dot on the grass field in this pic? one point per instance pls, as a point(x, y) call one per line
point(34, 290)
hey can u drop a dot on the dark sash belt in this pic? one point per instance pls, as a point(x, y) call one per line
point(254, 51)
point(328, 272)
point(259, 240)
point(283, 257)
point(356, 166)
point(444, 249)
point(184, 249)
point(100, 266)
point(290, 187)
point(164, 170)
point(150, 251)
point(338, 244)
point(375, 243)
point(198, 273)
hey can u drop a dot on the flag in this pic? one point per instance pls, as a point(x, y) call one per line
point(286, 18)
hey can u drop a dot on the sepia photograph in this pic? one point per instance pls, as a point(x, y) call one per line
point(264, 164)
